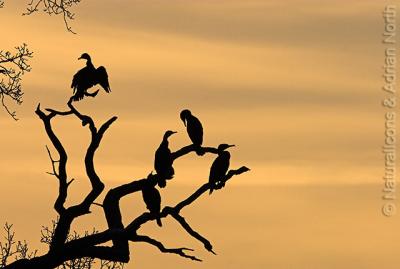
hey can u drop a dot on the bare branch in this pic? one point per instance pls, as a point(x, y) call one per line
point(13, 66)
point(61, 172)
point(162, 248)
point(193, 233)
point(67, 215)
point(53, 163)
point(74, 251)
point(105, 264)
point(118, 234)
point(54, 7)
point(206, 187)
point(188, 149)
point(12, 249)
point(114, 217)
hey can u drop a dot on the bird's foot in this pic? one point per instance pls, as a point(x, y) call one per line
point(168, 210)
point(219, 185)
point(85, 121)
point(200, 151)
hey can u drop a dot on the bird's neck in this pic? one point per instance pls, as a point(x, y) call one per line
point(224, 153)
point(89, 63)
point(165, 142)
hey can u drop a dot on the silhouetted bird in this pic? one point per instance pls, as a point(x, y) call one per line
point(194, 129)
point(152, 199)
point(163, 161)
point(219, 167)
point(88, 77)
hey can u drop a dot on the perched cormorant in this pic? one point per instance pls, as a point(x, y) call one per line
point(152, 199)
point(88, 77)
point(163, 161)
point(219, 167)
point(194, 129)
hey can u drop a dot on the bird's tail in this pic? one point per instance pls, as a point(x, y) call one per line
point(162, 182)
point(211, 190)
point(159, 222)
point(170, 174)
point(78, 96)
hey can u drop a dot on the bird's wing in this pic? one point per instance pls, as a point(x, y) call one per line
point(74, 81)
point(152, 199)
point(163, 162)
point(157, 200)
point(159, 160)
point(82, 79)
point(219, 168)
point(81, 82)
point(215, 170)
point(102, 78)
point(196, 131)
point(76, 78)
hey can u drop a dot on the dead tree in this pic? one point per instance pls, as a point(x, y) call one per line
point(13, 65)
point(63, 248)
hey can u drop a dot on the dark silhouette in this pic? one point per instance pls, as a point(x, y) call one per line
point(111, 244)
point(63, 8)
point(51, 7)
point(13, 65)
point(194, 130)
point(88, 77)
point(152, 199)
point(219, 168)
point(163, 161)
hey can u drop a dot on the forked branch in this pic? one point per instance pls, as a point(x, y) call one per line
point(162, 248)
point(63, 248)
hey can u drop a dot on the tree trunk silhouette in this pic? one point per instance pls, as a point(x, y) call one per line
point(61, 249)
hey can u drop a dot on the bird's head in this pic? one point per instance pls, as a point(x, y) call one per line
point(184, 115)
point(169, 133)
point(223, 147)
point(84, 56)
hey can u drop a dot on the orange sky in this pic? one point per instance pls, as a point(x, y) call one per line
point(295, 84)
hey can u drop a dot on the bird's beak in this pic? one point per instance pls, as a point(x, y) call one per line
point(173, 132)
point(80, 58)
point(184, 122)
point(229, 146)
